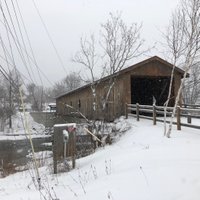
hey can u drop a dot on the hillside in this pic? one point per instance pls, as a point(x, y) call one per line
point(141, 165)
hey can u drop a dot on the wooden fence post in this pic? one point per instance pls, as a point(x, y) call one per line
point(138, 111)
point(55, 157)
point(73, 149)
point(178, 118)
point(189, 119)
point(154, 114)
point(126, 110)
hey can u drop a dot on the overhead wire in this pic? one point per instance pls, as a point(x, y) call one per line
point(8, 78)
point(27, 131)
point(9, 42)
point(16, 41)
point(20, 55)
point(7, 75)
point(9, 59)
point(49, 36)
point(24, 45)
point(29, 57)
point(31, 60)
point(22, 38)
point(29, 42)
point(4, 51)
point(20, 49)
point(15, 38)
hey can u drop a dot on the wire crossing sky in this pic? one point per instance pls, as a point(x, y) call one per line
point(47, 33)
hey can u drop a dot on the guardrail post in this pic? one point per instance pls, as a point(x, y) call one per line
point(178, 118)
point(138, 111)
point(154, 114)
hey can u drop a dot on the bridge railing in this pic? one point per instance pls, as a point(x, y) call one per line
point(184, 115)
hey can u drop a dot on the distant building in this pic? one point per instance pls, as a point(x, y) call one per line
point(142, 83)
point(51, 107)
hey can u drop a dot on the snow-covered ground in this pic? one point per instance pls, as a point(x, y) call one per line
point(18, 128)
point(141, 165)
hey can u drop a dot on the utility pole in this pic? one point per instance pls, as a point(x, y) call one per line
point(10, 105)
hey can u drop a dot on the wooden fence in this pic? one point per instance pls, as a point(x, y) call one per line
point(156, 113)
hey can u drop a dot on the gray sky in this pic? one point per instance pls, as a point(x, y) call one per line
point(68, 20)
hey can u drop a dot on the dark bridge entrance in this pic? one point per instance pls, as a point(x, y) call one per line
point(144, 89)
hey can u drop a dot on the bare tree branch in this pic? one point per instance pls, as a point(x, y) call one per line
point(183, 41)
point(119, 43)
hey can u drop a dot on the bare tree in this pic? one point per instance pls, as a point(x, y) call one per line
point(9, 97)
point(4, 104)
point(119, 43)
point(188, 18)
point(70, 82)
point(191, 88)
point(174, 39)
point(88, 57)
point(36, 96)
point(58, 88)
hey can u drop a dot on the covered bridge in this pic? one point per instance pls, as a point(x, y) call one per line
point(139, 83)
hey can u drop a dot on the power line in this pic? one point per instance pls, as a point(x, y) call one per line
point(15, 68)
point(6, 24)
point(4, 51)
point(23, 42)
point(16, 39)
point(10, 46)
point(23, 74)
point(19, 48)
point(18, 45)
point(8, 77)
point(32, 61)
point(49, 36)
point(28, 39)
point(25, 46)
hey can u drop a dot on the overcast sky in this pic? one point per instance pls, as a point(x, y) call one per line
point(68, 20)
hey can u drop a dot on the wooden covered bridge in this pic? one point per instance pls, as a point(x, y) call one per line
point(139, 83)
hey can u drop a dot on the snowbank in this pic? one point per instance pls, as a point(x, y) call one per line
point(142, 165)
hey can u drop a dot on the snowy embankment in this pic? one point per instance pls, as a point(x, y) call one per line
point(18, 128)
point(142, 165)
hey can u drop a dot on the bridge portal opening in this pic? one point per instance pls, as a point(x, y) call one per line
point(144, 90)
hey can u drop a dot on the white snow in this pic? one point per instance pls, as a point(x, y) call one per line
point(18, 131)
point(142, 165)
point(68, 124)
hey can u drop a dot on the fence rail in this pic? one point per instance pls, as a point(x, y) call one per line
point(155, 113)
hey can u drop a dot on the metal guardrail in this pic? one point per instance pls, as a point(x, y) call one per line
point(139, 111)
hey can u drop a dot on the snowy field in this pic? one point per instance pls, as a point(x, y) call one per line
point(141, 165)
